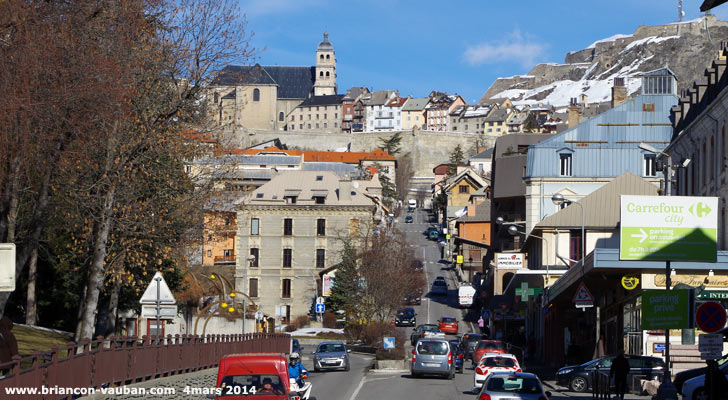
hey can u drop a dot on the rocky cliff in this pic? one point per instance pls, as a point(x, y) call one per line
point(686, 48)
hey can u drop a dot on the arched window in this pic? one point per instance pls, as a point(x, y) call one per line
point(322, 57)
point(506, 280)
point(327, 74)
point(328, 56)
point(281, 116)
point(321, 74)
point(256, 94)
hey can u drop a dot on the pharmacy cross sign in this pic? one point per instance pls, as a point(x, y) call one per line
point(524, 291)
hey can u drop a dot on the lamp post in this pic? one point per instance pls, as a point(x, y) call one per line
point(470, 269)
point(513, 231)
point(559, 199)
point(251, 260)
point(667, 389)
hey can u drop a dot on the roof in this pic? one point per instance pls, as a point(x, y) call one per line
point(659, 72)
point(498, 114)
point(486, 154)
point(354, 92)
point(196, 136)
point(246, 364)
point(349, 157)
point(509, 163)
point(482, 214)
point(326, 100)
point(415, 104)
point(270, 159)
point(601, 207)
point(708, 4)
point(396, 101)
point(325, 45)
point(339, 168)
point(378, 98)
point(223, 202)
point(307, 184)
point(292, 82)
point(442, 100)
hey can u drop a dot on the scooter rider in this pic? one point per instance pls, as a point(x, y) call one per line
point(297, 373)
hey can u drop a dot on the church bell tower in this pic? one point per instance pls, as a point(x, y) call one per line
point(325, 83)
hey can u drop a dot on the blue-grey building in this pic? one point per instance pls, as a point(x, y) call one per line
point(582, 159)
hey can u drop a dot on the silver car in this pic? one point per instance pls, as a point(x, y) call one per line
point(433, 357)
point(513, 386)
point(331, 355)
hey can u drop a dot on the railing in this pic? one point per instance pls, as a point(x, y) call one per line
point(601, 385)
point(100, 363)
point(224, 259)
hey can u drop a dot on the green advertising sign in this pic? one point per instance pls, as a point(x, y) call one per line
point(662, 309)
point(673, 228)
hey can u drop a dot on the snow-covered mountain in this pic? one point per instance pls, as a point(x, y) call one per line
point(686, 48)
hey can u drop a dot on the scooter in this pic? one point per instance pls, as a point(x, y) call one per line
point(302, 391)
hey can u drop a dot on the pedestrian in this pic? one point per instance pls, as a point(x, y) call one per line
point(619, 371)
point(481, 324)
point(8, 344)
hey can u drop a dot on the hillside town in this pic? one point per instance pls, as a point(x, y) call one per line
point(564, 235)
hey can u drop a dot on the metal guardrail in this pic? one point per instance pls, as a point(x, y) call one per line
point(601, 384)
point(111, 362)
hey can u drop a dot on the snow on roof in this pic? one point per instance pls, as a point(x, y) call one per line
point(609, 39)
point(699, 19)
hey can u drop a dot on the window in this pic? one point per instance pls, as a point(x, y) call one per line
point(256, 94)
point(300, 126)
point(321, 227)
point(320, 258)
point(336, 124)
point(319, 199)
point(281, 116)
point(650, 167)
point(254, 251)
point(463, 189)
point(321, 74)
point(286, 289)
point(322, 56)
point(336, 115)
point(291, 199)
point(287, 258)
point(327, 74)
point(328, 56)
point(253, 287)
point(254, 226)
point(300, 117)
point(565, 164)
point(188, 169)
point(309, 126)
point(466, 127)
point(288, 227)
point(209, 253)
point(325, 125)
point(317, 125)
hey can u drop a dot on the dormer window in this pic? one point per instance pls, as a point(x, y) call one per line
point(291, 199)
point(565, 164)
point(319, 177)
point(259, 195)
point(319, 199)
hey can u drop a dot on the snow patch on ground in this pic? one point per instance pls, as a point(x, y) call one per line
point(315, 331)
point(609, 39)
point(647, 40)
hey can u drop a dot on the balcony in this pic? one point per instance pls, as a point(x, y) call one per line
point(347, 117)
point(225, 259)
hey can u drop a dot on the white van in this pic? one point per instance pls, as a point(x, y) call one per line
point(465, 295)
point(411, 205)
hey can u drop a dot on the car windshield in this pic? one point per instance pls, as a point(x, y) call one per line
point(331, 348)
point(448, 320)
point(513, 385)
point(483, 344)
point(430, 347)
point(439, 283)
point(504, 362)
point(251, 385)
point(430, 328)
point(408, 312)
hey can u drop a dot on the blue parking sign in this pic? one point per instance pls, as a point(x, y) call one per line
point(320, 308)
point(388, 342)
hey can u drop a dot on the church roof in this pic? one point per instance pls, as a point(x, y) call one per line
point(325, 45)
point(292, 82)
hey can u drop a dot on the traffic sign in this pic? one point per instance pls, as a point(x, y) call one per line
point(259, 315)
point(319, 300)
point(320, 308)
point(583, 297)
point(388, 342)
point(710, 317)
point(7, 267)
point(166, 311)
point(668, 228)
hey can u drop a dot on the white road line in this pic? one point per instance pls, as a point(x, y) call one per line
point(358, 388)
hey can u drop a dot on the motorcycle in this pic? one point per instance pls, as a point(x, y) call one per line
point(304, 391)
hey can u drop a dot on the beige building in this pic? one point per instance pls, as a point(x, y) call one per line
point(438, 109)
point(263, 97)
point(413, 113)
point(467, 118)
point(317, 114)
point(291, 227)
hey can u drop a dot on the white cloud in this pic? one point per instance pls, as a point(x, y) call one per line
point(513, 48)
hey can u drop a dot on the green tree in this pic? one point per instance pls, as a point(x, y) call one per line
point(389, 191)
point(530, 126)
point(393, 145)
point(346, 290)
point(456, 157)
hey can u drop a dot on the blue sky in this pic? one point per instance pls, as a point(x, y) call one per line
point(452, 46)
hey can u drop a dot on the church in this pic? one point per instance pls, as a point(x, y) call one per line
point(263, 97)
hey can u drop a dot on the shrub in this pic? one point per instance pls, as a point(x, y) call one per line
point(301, 321)
point(393, 354)
point(329, 320)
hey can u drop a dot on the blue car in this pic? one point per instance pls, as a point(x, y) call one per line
point(457, 355)
point(295, 346)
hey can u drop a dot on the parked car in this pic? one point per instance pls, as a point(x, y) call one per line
point(439, 278)
point(683, 376)
point(458, 352)
point(512, 386)
point(487, 346)
point(425, 330)
point(578, 377)
point(448, 325)
point(405, 316)
point(418, 265)
point(433, 356)
point(469, 341)
point(413, 298)
point(241, 374)
point(331, 354)
point(433, 234)
point(439, 287)
point(493, 363)
point(408, 219)
point(694, 388)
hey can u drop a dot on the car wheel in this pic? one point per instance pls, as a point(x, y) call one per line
point(316, 369)
point(700, 394)
point(578, 384)
point(348, 367)
point(414, 374)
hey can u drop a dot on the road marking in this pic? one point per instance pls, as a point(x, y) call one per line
point(358, 388)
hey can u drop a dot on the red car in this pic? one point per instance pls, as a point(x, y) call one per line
point(449, 325)
point(263, 375)
point(487, 346)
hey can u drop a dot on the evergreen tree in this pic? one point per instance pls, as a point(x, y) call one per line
point(392, 145)
point(346, 289)
point(456, 157)
point(531, 126)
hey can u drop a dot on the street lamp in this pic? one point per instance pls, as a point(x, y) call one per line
point(514, 231)
point(559, 199)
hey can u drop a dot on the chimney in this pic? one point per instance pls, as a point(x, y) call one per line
point(619, 92)
point(344, 192)
point(471, 211)
point(574, 113)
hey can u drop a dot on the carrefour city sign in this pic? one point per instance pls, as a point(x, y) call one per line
point(674, 228)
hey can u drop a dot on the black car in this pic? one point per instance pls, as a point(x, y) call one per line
point(578, 377)
point(413, 299)
point(408, 219)
point(418, 265)
point(468, 343)
point(683, 376)
point(425, 330)
point(405, 317)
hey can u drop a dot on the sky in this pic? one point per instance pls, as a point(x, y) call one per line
point(453, 46)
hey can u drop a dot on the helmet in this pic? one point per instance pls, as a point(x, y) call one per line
point(295, 356)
